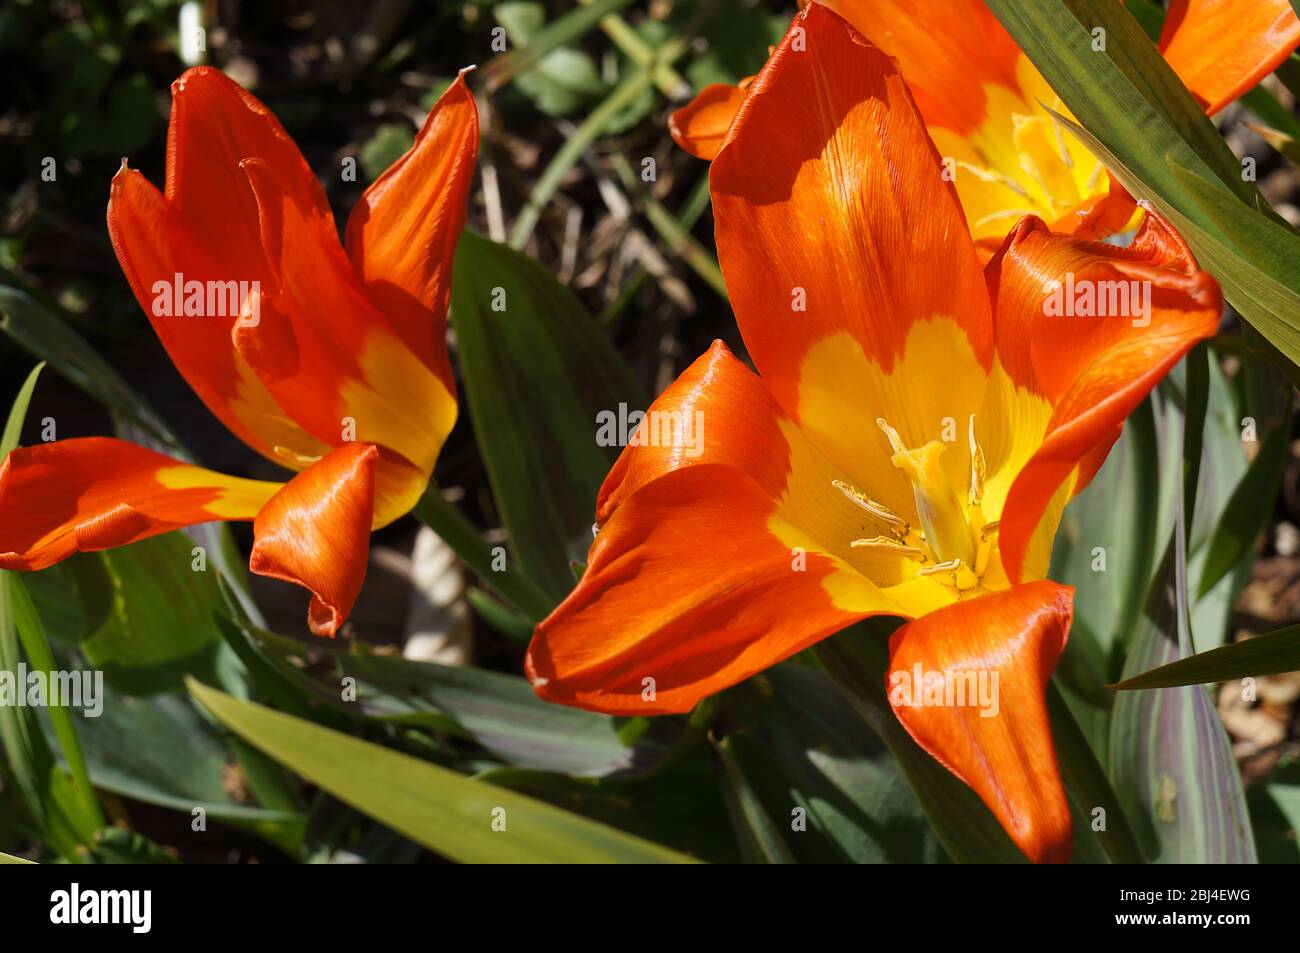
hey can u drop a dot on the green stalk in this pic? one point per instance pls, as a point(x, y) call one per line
point(572, 151)
point(676, 238)
point(691, 211)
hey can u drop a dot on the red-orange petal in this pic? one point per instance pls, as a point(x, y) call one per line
point(1222, 48)
point(146, 237)
point(701, 125)
point(94, 493)
point(316, 532)
point(215, 125)
point(402, 234)
point(738, 425)
point(989, 659)
point(844, 211)
point(351, 377)
point(686, 592)
point(1093, 369)
point(951, 53)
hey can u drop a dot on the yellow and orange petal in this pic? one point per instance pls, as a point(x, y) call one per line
point(315, 532)
point(145, 237)
point(1223, 48)
point(402, 234)
point(1091, 367)
point(350, 377)
point(845, 253)
point(94, 493)
point(998, 652)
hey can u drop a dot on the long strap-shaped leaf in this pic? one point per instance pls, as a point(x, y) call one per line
point(1171, 759)
point(463, 819)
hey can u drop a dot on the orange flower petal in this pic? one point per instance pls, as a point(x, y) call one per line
point(316, 532)
point(737, 426)
point(843, 214)
point(215, 125)
point(986, 662)
point(1092, 361)
point(146, 239)
point(350, 377)
point(952, 52)
point(700, 126)
point(402, 235)
point(96, 493)
point(687, 591)
point(1222, 48)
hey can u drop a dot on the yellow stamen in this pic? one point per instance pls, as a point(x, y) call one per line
point(888, 544)
point(942, 515)
point(976, 466)
point(878, 510)
point(954, 572)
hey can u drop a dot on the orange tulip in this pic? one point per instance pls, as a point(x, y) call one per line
point(917, 428)
point(328, 359)
point(982, 100)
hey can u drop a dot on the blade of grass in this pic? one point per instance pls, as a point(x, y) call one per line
point(692, 209)
point(568, 155)
point(1269, 654)
point(669, 81)
point(676, 239)
point(590, 129)
point(31, 635)
point(572, 26)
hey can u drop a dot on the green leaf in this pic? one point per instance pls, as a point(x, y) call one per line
point(537, 373)
point(54, 803)
point(1248, 509)
point(1275, 814)
point(857, 660)
point(159, 750)
point(18, 412)
point(1088, 789)
point(1105, 548)
point(566, 29)
point(385, 146)
point(500, 712)
point(11, 859)
point(151, 617)
point(1267, 654)
point(447, 813)
point(847, 783)
point(32, 636)
point(440, 515)
point(1170, 758)
point(504, 715)
point(113, 845)
point(680, 807)
point(749, 783)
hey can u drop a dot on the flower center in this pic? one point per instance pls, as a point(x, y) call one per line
point(955, 541)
